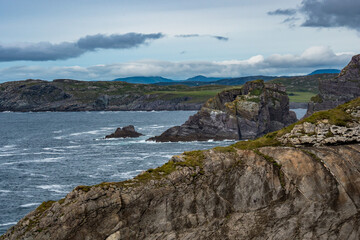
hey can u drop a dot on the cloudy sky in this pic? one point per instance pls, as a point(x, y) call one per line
point(106, 39)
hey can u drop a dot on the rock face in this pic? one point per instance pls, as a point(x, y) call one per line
point(254, 189)
point(341, 89)
point(125, 132)
point(245, 113)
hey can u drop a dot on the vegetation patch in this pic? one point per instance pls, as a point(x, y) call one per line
point(316, 99)
point(300, 96)
point(256, 92)
point(276, 165)
point(83, 188)
point(312, 155)
point(44, 206)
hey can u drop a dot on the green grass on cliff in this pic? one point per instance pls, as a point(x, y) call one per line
point(302, 88)
point(300, 96)
point(88, 91)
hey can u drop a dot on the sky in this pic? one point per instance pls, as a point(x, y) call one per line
point(108, 39)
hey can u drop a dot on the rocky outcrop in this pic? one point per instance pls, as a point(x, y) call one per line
point(125, 132)
point(341, 89)
point(337, 126)
point(244, 113)
point(255, 189)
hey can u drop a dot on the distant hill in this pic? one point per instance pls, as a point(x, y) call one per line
point(322, 71)
point(201, 78)
point(144, 80)
point(242, 80)
point(226, 81)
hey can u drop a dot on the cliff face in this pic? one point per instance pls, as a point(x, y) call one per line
point(72, 95)
point(343, 88)
point(245, 113)
point(258, 189)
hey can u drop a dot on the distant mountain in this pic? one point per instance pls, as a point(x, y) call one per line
point(201, 78)
point(321, 71)
point(144, 80)
point(227, 81)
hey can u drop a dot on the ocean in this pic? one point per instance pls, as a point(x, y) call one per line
point(45, 155)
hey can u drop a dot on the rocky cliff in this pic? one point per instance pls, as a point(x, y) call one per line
point(343, 88)
point(72, 95)
point(243, 113)
point(266, 188)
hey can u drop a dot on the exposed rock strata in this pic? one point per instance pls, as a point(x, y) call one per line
point(245, 113)
point(251, 190)
point(341, 89)
point(125, 132)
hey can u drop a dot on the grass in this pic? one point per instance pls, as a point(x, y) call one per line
point(300, 96)
point(44, 206)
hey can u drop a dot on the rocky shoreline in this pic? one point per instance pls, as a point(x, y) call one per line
point(66, 95)
point(257, 189)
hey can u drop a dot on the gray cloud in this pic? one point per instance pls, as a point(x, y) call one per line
point(45, 51)
point(115, 41)
point(276, 64)
point(187, 35)
point(331, 13)
point(220, 38)
point(286, 12)
point(324, 13)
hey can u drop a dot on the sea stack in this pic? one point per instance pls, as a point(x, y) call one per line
point(243, 113)
point(125, 132)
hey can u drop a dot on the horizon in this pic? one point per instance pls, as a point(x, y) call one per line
point(87, 40)
point(175, 80)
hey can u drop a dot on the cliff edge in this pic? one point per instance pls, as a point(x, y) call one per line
point(242, 113)
point(268, 188)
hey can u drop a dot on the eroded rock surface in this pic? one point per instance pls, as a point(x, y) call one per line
point(125, 132)
point(245, 113)
point(229, 195)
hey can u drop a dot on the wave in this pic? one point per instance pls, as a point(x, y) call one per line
point(29, 205)
point(54, 188)
point(45, 160)
point(4, 191)
point(7, 224)
point(127, 175)
point(7, 148)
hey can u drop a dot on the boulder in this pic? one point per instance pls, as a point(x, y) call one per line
point(125, 132)
point(244, 113)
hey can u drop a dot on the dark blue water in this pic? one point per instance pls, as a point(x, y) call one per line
point(43, 156)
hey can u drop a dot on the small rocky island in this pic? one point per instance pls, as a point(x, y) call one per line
point(125, 132)
point(243, 113)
